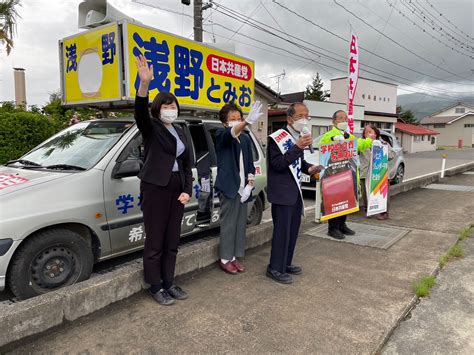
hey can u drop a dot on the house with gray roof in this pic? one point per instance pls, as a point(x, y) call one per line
point(455, 125)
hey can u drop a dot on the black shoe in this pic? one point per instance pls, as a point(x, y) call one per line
point(279, 277)
point(294, 270)
point(336, 234)
point(177, 292)
point(346, 230)
point(162, 297)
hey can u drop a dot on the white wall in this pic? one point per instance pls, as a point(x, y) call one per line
point(385, 94)
point(452, 111)
point(410, 144)
point(451, 133)
point(261, 126)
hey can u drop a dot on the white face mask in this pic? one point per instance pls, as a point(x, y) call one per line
point(298, 125)
point(342, 126)
point(168, 116)
point(233, 123)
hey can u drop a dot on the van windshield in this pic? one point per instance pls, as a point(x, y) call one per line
point(78, 147)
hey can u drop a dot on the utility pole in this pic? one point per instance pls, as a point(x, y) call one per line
point(198, 20)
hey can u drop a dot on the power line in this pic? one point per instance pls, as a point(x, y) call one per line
point(438, 93)
point(451, 23)
point(436, 22)
point(409, 36)
point(412, 7)
point(367, 50)
point(397, 43)
point(402, 13)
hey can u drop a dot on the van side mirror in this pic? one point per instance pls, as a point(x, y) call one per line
point(129, 167)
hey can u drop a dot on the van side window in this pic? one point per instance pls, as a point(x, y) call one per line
point(387, 139)
point(133, 150)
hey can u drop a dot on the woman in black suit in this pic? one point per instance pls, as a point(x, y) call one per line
point(166, 185)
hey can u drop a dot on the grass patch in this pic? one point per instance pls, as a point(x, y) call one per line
point(466, 232)
point(422, 287)
point(456, 251)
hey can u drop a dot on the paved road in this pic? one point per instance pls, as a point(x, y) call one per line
point(443, 323)
point(347, 299)
point(418, 164)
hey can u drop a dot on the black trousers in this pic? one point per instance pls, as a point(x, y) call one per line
point(286, 226)
point(336, 223)
point(162, 215)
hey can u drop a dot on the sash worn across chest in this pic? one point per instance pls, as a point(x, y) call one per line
point(285, 141)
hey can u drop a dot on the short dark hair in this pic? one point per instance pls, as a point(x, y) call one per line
point(163, 98)
point(228, 108)
point(376, 130)
point(291, 109)
point(334, 115)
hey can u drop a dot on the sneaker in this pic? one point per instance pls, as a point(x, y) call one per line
point(177, 292)
point(162, 297)
point(336, 234)
point(346, 230)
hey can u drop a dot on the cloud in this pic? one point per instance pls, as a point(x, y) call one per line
point(44, 22)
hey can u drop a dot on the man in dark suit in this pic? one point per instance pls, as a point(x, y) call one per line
point(285, 165)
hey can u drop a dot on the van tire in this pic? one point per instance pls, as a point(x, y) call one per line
point(49, 260)
point(256, 213)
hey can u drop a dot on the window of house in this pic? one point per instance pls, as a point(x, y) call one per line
point(460, 110)
point(369, 97)
point(388, 99)
point(469, 125)
point(423, 138)
point(375, 98)
point(363, 96)
point(384, 99)
point(439, 125)
point(417, 138)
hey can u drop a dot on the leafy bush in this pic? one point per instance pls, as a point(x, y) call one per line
point(21, 131)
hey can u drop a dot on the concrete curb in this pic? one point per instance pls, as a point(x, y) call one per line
point(428, 179)
point(44, 312)
point(405, 312)
point(38, 314)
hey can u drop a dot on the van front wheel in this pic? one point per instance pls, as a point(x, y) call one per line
point(49, 260)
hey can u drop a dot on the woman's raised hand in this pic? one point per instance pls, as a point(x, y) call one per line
point(144, 72)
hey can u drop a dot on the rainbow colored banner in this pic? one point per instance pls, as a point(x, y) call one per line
point(377, 183)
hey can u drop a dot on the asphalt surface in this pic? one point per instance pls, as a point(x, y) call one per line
point(443, 323)
point(418, 164)
point(347, 300)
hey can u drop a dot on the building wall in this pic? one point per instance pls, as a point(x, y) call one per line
point(260, 128)
point(375, 96)
point(423, 144)
point(452, 111)
point(405, 140)
point(450, 134)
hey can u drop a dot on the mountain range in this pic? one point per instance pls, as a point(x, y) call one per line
point(423, 105)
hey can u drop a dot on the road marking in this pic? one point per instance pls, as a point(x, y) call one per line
point(446, 187)
point(436, 172)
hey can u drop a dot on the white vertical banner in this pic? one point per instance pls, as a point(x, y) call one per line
point(353, 78)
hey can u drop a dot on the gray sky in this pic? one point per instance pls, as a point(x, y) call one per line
point(44, 22)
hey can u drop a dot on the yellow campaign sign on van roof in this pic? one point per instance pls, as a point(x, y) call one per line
point(91, 66)
point(198, 75)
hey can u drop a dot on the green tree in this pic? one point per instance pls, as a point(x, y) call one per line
point(8, 20)
point(315, 90)
point(407, 115)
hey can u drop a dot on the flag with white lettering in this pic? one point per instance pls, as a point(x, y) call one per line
point(353, 79)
